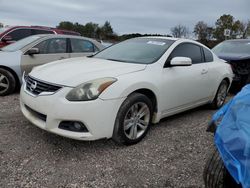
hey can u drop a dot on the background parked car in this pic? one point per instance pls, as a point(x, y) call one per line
point(229, 164)
point(216, 175)
point(237, 54)
point(9, 35)
point(121, 90)
point(37, 50)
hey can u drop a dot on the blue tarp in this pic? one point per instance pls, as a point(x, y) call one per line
point(232, 136)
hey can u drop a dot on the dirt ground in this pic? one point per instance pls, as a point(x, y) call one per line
point(173, 154)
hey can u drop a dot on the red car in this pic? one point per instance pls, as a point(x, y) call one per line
point(9, 35)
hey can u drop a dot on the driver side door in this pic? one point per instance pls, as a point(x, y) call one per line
point(51, 49)
point(184, 87)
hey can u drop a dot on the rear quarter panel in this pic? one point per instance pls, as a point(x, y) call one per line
point(220, 71)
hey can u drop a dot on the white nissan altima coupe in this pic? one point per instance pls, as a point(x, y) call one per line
point(119, 92)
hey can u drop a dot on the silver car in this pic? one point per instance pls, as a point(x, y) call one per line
point(37, 50)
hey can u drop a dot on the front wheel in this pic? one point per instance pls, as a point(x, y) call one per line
point(7, 82)
point(133, 119)
point(215, 174)
point(221, 95)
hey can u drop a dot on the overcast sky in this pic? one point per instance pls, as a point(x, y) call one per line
point(126, 16)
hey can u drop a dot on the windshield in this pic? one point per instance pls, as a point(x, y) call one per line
point(138, 50)
point(20, 44)
point(2, 29)
point(237, 47)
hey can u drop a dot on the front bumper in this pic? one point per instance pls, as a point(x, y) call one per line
point(98, 115)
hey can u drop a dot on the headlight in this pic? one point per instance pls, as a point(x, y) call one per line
point(90, 90)
point(24, 77)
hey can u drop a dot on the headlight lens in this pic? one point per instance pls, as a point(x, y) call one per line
point(90, 90)
point(24, 77)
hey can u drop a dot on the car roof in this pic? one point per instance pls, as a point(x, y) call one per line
point(172, 38)
point(176, 39)
point(160, 37)
point(47, 36)
point(238, 40)
point(43, 28)
point(63, 36)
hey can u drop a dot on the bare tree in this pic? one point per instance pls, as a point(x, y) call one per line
point(247, 30)
point(201, 30)
point(180, 31)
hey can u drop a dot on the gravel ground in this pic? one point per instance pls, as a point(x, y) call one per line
point(173, 154)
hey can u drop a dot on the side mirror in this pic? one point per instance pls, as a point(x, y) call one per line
point(181, 61)
point(7, 38)
point(33, 51)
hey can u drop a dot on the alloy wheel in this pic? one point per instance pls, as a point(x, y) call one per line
point(136, 120)
point(4, 83)
point(222, 94)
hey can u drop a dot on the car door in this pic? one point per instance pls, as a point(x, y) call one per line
point(185, 86)
point(51, 49)
point(81, 47)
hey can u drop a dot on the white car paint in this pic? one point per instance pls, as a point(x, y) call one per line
point(176, 89)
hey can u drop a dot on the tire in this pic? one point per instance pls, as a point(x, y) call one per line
point(7, 82)
point(215, 175)
point(221, 95)
point(130, 126)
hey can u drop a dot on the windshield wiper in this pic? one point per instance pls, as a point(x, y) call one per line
point(124, 61)
point(90, 55)
point(114, 60)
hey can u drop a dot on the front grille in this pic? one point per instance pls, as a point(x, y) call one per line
point(36, 87)
point(36, 114)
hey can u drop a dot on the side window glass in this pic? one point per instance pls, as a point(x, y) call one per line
point(80, 46)
point(19, 34)
point(52, 46)
point(188, 50)
point(36, 31)
point(96, 49)
point(208, 55)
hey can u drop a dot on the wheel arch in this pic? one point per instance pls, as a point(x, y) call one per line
point(227, 80)
point(150, 94)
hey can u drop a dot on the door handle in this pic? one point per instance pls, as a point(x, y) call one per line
point(62, 58)
point(204, 71)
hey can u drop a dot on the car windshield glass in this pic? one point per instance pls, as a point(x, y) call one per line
point(237, 47)
point(138, 50)
point(2, 29)
point(20, 44)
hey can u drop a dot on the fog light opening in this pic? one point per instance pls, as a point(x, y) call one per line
point(74, 126)
point(77, 126)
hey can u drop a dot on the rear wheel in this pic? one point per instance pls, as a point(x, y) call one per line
point(7, 82)
point(221, 95)
point(215, 174)
point(133, 119)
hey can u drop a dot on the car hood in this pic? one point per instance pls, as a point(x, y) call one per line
point(233, 57)
point(74, 71)
point(10, 58)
